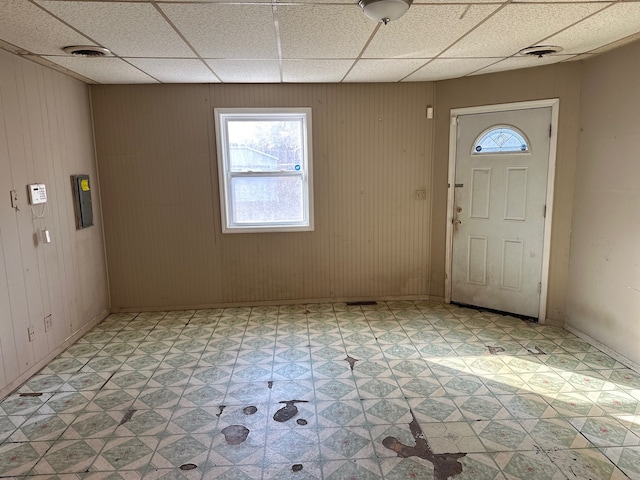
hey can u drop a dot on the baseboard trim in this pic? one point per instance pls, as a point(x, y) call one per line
point(15, 384)
point(601, 346)
point(267, 303)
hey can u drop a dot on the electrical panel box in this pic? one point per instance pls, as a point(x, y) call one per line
point(82, 197)
point(37, 193)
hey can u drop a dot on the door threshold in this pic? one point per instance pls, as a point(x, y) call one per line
point(526, 318)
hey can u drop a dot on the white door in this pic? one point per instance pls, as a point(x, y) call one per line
point(499, 208)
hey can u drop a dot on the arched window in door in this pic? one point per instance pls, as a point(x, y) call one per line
point(501, 139)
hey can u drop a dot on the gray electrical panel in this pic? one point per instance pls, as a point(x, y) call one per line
point(82, 196)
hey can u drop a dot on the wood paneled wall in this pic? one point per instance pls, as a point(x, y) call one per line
point(372, 149)
point(45, 136)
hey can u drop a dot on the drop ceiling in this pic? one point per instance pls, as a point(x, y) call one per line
point(271, 41)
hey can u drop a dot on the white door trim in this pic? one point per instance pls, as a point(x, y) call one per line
point(554, 103)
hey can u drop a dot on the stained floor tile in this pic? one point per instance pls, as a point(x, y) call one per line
point(394, 390)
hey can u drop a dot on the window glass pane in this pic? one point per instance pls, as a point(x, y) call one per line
point(267, 199)
point(265, 145)
point(500, 140)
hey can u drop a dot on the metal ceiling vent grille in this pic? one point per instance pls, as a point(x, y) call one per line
point(540, 51)
point(86, 51)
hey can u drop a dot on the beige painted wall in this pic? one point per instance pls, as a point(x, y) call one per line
point(604, 275)
point(45, 136)
point(557, 81)
point(156, 151)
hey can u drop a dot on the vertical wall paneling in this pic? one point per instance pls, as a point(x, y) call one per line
point(45, 136)
point(157, 158)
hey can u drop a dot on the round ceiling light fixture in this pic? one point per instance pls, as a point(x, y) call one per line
point(540, 51)
point(384, 10)
point(86, 51)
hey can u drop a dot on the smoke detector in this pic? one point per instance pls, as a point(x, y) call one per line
point(86, 51)
point(540, 51)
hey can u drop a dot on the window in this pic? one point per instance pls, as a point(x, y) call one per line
point(502, 139)
point(264, 166)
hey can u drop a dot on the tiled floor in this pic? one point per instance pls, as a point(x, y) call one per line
point(380, 391)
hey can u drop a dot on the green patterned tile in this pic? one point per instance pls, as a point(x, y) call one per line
point(527, 406)
point(387, 411)
point(126, 454)
point(144, 423)
point(625, 458)
point(527, 465)
point(554, 433)
point(481, 407)
point(42, 427)
point(93, 425)
point(343, 443)
point(44, 383)
point(435, 409)
point(605, 432)
point(203, 396)
point(292, 354)
point(22, 405)
point(330, 370)
point(420, 387)
point(176, 450)
point(378, 388)
point(585, 463)
point(340, 413)
point(503, 435)
point(336, 389)
point(158, 398)
point(292, 445)
point(19, 458)
point(279, 471)
point(69, 456)
point(193, 420)
point(169, 378)
point(88, 381)
point(463, 385)
point(67, 402)
point(405, 468)
point(112, 400)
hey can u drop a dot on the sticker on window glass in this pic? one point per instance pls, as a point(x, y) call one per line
point(297, 167)
point(501, 140)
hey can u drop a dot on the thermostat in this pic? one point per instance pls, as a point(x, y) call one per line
point(37, 193)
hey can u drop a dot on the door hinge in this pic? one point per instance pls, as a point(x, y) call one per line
point(540, 287)
point(550, 130)
point(544, 212)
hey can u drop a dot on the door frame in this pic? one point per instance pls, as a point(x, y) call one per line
point(554, 103)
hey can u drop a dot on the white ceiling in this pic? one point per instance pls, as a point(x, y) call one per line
point(271, 41)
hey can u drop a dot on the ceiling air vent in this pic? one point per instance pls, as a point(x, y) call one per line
point(540, 51)
point(86, 51)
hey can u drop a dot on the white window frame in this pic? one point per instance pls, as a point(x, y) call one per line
point(222, 116)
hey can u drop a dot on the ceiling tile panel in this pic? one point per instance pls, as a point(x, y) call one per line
point(514, 63)
point(25, 25)
point(383, 70)
point(226, 31)
point(426, 30)
point(612, 24)
point(104, 70)
point(128, 29)
point(443, 68)
point(323, 31)
point(314, 71)
point(246, 71)
point(519, 25)
point(175, 70)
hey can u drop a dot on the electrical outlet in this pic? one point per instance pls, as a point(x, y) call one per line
point(31, 332)
point(14, 199)
point(421, 194)
point(48, 323)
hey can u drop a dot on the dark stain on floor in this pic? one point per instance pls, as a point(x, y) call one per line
point(250, 410)
point(288, 411)
point(127, 416)
point(34, 394)
point(270, 384)
point(538, 351)
point(352, 361)
point(235, 434)
point(221, 407)
point(445, 465)
point(301, 421)
point(297, 467)
point(495, 350)
point(188, 466)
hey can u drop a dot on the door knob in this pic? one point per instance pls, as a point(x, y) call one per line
point(457, 222)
